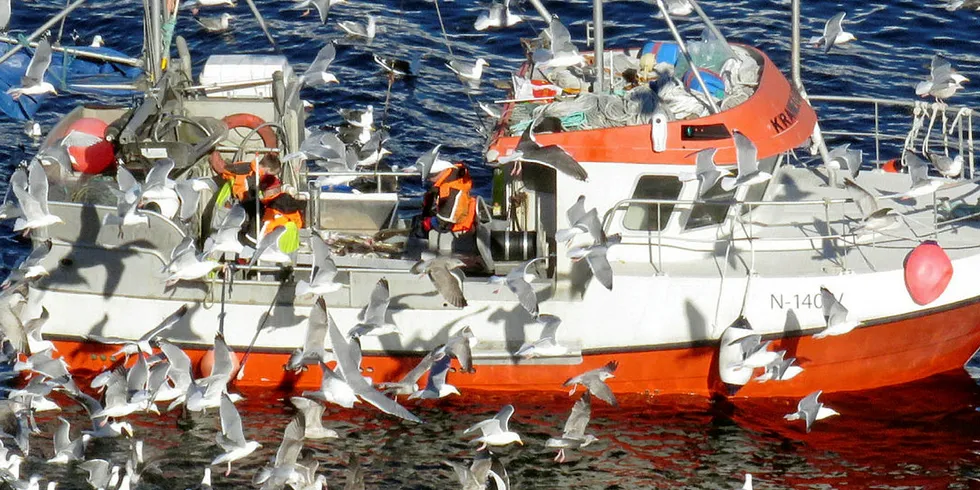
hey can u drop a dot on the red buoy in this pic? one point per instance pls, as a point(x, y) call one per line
point(927, 272)
point(95, 158)
point(207, 363)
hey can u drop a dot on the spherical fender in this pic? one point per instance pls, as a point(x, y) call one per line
point(92, 159)
point(242, 120)
point(928, 271)
point(207, 363)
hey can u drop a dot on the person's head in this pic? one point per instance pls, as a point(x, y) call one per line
point(271, 163)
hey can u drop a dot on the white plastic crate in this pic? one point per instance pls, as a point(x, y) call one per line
point(225, 68)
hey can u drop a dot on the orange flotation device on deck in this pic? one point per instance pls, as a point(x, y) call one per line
point(455, 204)
point(242, 120)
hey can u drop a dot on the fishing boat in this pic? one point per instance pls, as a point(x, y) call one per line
point(691, 276)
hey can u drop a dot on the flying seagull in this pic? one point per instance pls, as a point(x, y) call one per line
point(232, 437)
point(747, 157)
point(562, 52)
point(873, 218)
point(316, 75)
point(495, 430)
point(573, 436)
point(499, 16)
point(836, 316)
point(810, 410)
point(323, 274)
point(313, 350)
point(595, 382)
point(833, 34)
point(32, 83)
point(32, 198)
point(356, 29)
point(529, 150)
point(547, 344)
point(374, 315)
point(446, 276)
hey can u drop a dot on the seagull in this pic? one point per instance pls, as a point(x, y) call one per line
point(446, 276)
point(595, 382)
point(437, 387)
point(350, 370)
point(32, 198)
point(872, 217)
point(313, 415)
point(430, 164)
point(475, 476)
point(842, 157)
point(359, 118)
point(232, 437)
point(333, 389)
point(128, 198)
point(186, 264)
point(320, 146)
point(547, 345)
point(313, 350)
point(409, 383)
point(948, 167)
point(400, 68)
point(677, 8)
point(189, 195)
point(323, 273)
point(284, 467)
point(922, 184)
point(562, 52)
point(755, 352)
point(836, 316)
point(32, 83)
point(66, 450)
point(519, 280)
point(581, 222)
point(316, 75)
point(100, 475)
point(811, 410)
point(269, 248)
point(224, 239)
point(460, 345)
point(780, 369)
point(142, 344)
point(574, 436)
point(943, 81)
point(158, 188)
point(833, 34)
point(468, 73)
point(373, 316)
point(529, 150)
point(595, 256)
point(707, 173)
point(495, 431)
point(356, 29)
point(491, 111)
point(747, 157)
point(499, 16)
point(102, 427)
point(322, 7)
point(215, 24)
point(30, 268)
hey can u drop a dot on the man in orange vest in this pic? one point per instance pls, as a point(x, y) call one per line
point(448, 206)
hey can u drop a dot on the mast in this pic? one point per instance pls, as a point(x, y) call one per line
point(599, 46)
point(817, 135)
point(156, 42)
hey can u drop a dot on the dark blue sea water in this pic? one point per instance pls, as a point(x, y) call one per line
point(923, 435)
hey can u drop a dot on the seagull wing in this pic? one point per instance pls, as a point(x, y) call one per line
point(168, 322)
point(746, 154)
point(525, 293)
point(551, 155)
point(157, 177)
point(376, 311)
point(39, 64)
point(864, 200)
point(316, 330)
point(424, 365)
point(448, 284)
point(578, 419)
point(324, 268)
point(600, 266)
point(322, 62)
point(561, 40)
point(61, 436)
point(706, 170)
point(292, 441)
point(231, 421)
point(38, 185)
point(223, 364)
point(349, 369)
point(831, 30)
point(918, 168)
point(437, 374)
point(576, 211)
point(503, 416)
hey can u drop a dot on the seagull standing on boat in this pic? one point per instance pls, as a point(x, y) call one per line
point(495, 430)
point(470, 74)
point(836, 316)
point(499, 16)
point(547, 344)
point(595, 382)
point(810, 409)
point(573, 435)
point(215, 25)
point(833, 34)
point(356, 29)
point(747, 158)
point(32, 83)
point(948, 167)
point(445, 274)
point(529, 150)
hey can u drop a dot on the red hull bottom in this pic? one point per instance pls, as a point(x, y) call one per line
point(873, 356)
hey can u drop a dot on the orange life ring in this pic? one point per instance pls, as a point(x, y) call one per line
point(243, 120)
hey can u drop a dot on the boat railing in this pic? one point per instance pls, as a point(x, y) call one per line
point(848, 236)
point(890, 119)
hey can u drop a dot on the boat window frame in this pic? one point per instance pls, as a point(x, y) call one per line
point(758, 192)
point(667, 224)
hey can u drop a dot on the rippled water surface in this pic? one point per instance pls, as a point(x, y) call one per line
point(918, 436)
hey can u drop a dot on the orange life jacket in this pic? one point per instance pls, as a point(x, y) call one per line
point(455, 204)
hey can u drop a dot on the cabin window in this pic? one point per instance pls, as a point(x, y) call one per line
point(706, 212)
point(644, 216)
